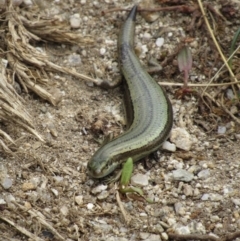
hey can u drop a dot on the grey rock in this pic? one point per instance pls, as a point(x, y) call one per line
point(182, 175)
point(139, 180)
point(6, 182)
point(204, 174)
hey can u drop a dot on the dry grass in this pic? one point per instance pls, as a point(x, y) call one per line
point(29, 66)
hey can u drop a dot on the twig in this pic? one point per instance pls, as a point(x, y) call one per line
point(181, 8)
point(222, 106)
point(232, 83)
point(228, 237)
point(192, 237)
point(42, 220)
point(126, 216)
point(216, 43)
point(198, 85)
point(21, 229)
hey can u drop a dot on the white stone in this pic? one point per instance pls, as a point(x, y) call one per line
point(75, 21)
point(221, 129)
point(79, 200)
point(2, 201)
point(139, 180)
point(28, 3)
point(99, 189)
point(160, 42)
point(181, 138)
point(90, 206)
point(6, 182)
point(54, 191)
point(102, 51)
point(182, 175)
point(164, 236)
point(147, 36)
point(64, 210)
point(169, 146)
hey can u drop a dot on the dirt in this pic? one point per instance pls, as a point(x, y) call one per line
point(52, 194)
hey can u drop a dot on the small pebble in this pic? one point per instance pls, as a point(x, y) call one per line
point(75, 21)
point(55, 192)
point(182, 175)
point(160, 42)
point(169, 146)
point(28, 186)
point(6, 182)
point(205, 197)
point(182, 230)
point(143, 235)
point(179, 209)
point(74, 60)
point(221, 130)
point(236, 201)
point(103, 195)
point(90, 206)
point(139, 180)
point(204, 174)
point(187, 190)
point(79, 200)
point(147, 36)
point(230, 94)
point(102, 51)
point(164, 236)
point(99, 189)
point(2, 201)
point(64, 210)
point(28, 3)
point(181, 138)
point(216, 197)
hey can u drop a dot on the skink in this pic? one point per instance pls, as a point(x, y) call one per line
point(149, 111)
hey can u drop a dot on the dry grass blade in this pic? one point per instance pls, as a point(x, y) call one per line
point(29, 65)
point(21, 229)
point(55, 31)
point(217, 45)
point(41, 218)
point(12, 109)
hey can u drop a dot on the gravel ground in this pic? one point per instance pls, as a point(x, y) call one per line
point(47, 192)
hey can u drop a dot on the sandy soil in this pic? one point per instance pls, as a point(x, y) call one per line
point(52, 196)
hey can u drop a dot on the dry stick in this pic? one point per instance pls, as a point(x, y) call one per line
point(21, 229)
point(4, 147)
point(192, 237)
point(215, 76)
point(222, 106)
point(198, 85)
point(157, 9)
point(216, 43)
point(41, 218)
point(228, 237)
point(6, 136)
point(72, 72)
point(126, 216)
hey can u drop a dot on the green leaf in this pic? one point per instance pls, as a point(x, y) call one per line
point(126, 172)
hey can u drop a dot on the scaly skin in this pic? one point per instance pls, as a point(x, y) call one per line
point(150, 111)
